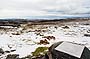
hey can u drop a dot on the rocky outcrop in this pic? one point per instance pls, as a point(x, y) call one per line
point(68, 50)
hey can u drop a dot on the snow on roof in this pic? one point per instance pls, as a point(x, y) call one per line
point(71, 49)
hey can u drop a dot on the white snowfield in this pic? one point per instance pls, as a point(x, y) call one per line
point(26, 42)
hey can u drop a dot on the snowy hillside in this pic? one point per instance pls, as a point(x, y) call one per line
point(25, 39)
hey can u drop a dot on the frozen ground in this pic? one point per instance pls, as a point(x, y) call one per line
point(26, 39)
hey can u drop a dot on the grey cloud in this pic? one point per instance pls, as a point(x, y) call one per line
point(16, 8)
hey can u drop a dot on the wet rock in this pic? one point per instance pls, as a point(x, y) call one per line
point(12, 56)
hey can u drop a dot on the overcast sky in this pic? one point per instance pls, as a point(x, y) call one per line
point(24, 8)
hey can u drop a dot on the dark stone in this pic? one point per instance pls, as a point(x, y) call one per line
point(87, 35)
point(7, 51)
point(43, 42)
point(12, 56)
point(65, 27)
point(13, 50)
point(1, 51)
point(46, 56)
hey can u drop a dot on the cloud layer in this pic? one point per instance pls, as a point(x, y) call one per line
point(24, 8)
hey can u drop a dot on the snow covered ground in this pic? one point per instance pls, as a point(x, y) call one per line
point(25, 40)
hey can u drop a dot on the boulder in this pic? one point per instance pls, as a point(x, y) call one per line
point(68, 50)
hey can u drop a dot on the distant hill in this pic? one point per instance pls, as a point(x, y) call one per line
point(16, 22)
